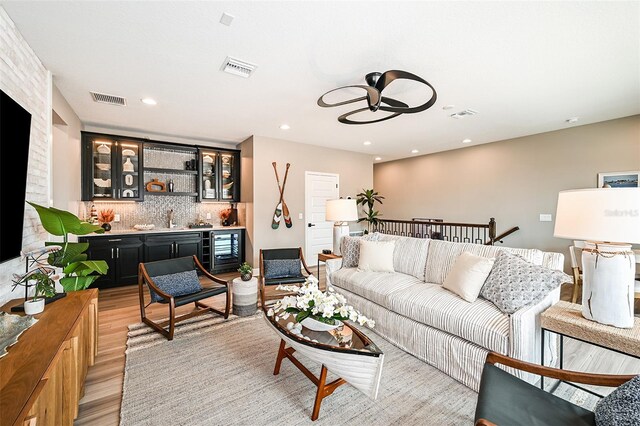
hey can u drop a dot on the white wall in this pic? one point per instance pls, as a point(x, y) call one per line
point(355, 170)
point(27, 81)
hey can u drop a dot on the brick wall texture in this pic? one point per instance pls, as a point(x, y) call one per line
point(27, 81)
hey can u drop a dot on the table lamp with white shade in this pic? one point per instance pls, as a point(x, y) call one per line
point(340, 212)
point(609, 220)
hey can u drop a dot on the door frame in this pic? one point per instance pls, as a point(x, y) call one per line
point(307, 206)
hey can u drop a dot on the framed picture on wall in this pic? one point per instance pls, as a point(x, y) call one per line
point(618, 180)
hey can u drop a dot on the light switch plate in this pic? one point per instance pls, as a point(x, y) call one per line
point(300, 216)
point(208, 216)
point(116, 217)
point(545, 217)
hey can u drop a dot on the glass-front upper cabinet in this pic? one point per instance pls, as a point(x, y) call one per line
point(220, 174)
point(111, 168)
point(209, 176)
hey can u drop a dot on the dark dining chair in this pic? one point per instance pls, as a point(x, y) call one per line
point(281, 266)
point(175, 282)
point(504, 399)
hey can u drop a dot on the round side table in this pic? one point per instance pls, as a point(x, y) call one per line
point(245, 297)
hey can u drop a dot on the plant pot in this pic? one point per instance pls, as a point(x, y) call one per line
point(316, 325)
point(106, 226)
point(33, 307)
point(247, 276)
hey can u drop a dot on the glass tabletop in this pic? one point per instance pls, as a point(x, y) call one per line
point(345, 338)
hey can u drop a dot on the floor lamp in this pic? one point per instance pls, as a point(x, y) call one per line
point(340, 212)
point(608, 219)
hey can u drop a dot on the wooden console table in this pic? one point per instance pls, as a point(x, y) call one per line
point(42, 376)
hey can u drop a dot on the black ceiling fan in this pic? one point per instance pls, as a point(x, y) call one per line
point(376, 83)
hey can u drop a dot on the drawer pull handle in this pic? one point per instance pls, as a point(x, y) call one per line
point(114, 240)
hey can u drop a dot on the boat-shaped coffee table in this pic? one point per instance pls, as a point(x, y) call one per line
point(345, 351)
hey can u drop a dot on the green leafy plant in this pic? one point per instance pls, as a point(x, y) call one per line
point(367, 198)
point(245, 268)
point(79, 273)
point(44, 285)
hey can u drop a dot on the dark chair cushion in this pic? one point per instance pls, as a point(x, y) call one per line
point(176, 284)
point(281, 268)
point(281, 253)
point(621, 407)
point(190, 298)
point(506, 400)
point(170, 266)
point(285, 280)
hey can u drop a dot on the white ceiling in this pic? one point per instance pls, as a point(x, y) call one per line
point(526, 67)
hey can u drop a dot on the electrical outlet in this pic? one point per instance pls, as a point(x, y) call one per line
point(545, 217)
point(208, 216)
point(300, 216)
point(116, 217)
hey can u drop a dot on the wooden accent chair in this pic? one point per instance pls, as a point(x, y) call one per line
point(575, 254)
point(280, 254)
point(504, 399)
point(150, 270)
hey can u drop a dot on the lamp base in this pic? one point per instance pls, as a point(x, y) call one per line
point(608, 283)
point(340, 229)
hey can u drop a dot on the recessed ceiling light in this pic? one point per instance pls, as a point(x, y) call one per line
point(572, 120)
point(366, 143)
point(149, 101)
point(466, 140)
point(226, 19)
point(448, 107)
point(285, 127)
point(378, 158)
point(414, 151)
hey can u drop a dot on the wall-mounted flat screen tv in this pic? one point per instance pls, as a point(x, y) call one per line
point(15, 129)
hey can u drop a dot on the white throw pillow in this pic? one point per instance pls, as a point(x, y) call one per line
point(467, 276)
point(376, 256)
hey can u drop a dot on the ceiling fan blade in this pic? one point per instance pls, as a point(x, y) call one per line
point(389, 76)
point(345, 120)
point(393, 103)
point(372, 93)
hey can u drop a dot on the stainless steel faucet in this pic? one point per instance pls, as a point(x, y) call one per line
point(171, 216)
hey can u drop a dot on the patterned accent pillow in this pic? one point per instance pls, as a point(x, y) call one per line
point(514, 282)
point(178, 284)
point(350, 249)
point(621, 407)
point(281, 268)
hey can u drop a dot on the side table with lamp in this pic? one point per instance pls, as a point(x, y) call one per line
point(609, 220)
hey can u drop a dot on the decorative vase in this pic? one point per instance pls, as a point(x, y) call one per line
point(315, 325)
point(247, 276)
point(33, 307)
point(106, 226)
point(128, 166)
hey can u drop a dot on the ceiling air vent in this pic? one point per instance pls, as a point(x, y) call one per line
point(463, 114)
point(108, 99)
point(238, 67)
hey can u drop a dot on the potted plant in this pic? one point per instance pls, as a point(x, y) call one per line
point(315, 309)
point(44, 286)
point(224, 216)
point(78, 272)
point(367, 198)
point(105, 217)
point(246, 271)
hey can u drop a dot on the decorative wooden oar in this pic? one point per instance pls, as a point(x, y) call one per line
point(282, 205)
point(285, 208)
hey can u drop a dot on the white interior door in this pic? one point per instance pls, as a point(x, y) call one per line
point(318, 188)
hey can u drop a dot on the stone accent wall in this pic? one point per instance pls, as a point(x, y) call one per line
point(27, 81)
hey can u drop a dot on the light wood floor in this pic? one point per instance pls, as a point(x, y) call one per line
point(119, 307)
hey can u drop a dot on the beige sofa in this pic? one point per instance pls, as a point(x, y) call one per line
point(414, 311)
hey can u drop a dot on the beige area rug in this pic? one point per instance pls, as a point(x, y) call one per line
point(218, 372)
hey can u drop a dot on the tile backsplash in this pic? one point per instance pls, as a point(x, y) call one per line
point(154, 210)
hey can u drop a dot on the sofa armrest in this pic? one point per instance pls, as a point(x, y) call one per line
point(331, 266)
point(525, 333)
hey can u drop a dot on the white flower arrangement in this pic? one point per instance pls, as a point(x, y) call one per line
point(310, 301)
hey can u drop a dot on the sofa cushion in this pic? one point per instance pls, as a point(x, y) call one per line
point(514, 283)
point(410, 254)
point(375, 286)
point(479, 322)
point(467, 276)
point(442, 255)
point(376, 256)
point(350, 249)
